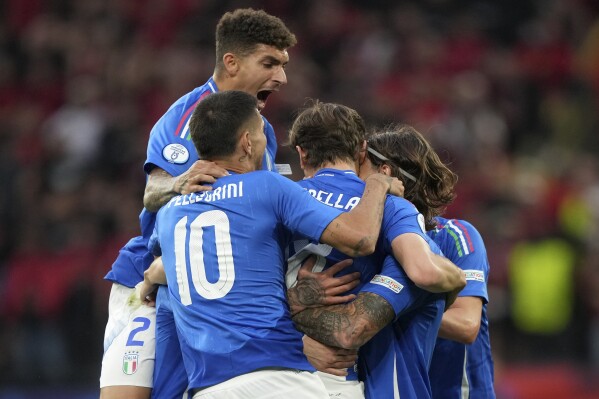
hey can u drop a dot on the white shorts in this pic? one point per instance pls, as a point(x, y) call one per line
point(267, 384)
point(129, 341)
point(340, 388)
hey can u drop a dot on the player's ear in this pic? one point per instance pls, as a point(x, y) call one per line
point(302, 155)
point(362, 153)
point(231, 64)
point(385, 169)
point(246, 142)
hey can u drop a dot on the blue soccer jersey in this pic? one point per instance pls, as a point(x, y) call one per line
point(223, 253)
point(342, 189)
point(458, 370)
point(171, 149)
point(395, 362)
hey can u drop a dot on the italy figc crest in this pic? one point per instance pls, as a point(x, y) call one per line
point(130, 362)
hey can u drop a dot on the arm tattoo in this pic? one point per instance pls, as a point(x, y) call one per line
point(306, 293)
point(349, 325)
point(159, 190)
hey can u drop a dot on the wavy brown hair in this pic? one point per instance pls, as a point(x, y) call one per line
point(328, 132)
point(406, 148)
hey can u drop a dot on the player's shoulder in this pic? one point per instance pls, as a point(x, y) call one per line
point(269, 176)
point(444, 224)
point(400, 204)
point(191, 98)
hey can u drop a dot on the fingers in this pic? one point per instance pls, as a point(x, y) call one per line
point(397, 187)
point(149, 301)
point(307, 266)
point(208, 168)
point(347, 279)
point(337, 267)
point(195, 188)
point(337, 372)
point(338, 300)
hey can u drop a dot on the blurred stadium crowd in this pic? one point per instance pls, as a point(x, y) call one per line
point(507, 91)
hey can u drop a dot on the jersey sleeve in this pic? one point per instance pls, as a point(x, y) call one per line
point(400, 217)
point(463, 245)
point(395, 287)
point(166, 148)
point(299, 211)
point(154, 243)
point(271, 147)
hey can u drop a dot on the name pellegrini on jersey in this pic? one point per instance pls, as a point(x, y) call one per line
point(334, 200)
point(232, 190)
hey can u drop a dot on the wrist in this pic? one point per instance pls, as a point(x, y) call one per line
point(379, 179)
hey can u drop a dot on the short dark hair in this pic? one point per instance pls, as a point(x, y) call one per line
point(328, 132)
point(217, 121)
point(240, 31)
point(406, 148)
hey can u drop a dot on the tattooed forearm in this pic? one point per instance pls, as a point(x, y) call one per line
point(306, 293)
point(349, 325)
point(159, 190)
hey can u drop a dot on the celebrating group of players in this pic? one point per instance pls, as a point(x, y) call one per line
point(264, 287)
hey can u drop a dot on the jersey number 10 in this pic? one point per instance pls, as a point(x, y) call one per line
point(195, 255)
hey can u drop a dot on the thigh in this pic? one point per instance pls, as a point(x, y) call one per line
point(129, 342)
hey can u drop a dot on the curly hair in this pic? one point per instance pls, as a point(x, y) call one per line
point(328, 132)
point(406, 148)
point(240, 31)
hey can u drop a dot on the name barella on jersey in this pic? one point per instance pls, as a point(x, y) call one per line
point(459, 370)
point(342, 189)
point(395, 362)
point(171, 149)
point(223, 253)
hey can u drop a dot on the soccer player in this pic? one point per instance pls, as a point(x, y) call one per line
point(223, 254)
point(330, 141)
point(251, 55)
point(462, 366)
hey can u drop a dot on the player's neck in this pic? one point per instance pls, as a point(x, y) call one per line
point(341, 165)
point(235, 165)
point(366, 170)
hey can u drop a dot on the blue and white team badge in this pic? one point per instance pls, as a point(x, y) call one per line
point(130, 362)
point(175, 153)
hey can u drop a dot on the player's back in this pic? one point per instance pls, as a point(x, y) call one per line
point(223, 256)
point(342, 189)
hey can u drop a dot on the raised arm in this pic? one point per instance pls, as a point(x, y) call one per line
point(161, 186)
point(426, 269)
point(355, 233)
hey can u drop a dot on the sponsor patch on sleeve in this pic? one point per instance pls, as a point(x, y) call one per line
point(475, 275)
point(387, 282)
point(175, 153)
